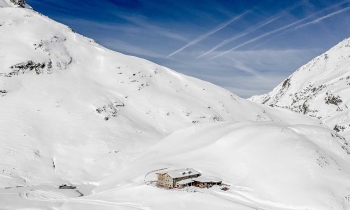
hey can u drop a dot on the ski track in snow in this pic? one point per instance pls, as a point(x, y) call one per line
point(49, 196)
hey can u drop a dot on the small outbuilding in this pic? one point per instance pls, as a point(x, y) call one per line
point(204, 182)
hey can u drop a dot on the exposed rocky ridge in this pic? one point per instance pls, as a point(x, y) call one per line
point(320, 89)
point(14, 3)
point(21, 3)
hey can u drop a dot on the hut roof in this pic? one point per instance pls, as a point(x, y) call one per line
point(178, 173)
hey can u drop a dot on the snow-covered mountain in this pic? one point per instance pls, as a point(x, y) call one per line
point(74, 112)
point(64, 97)
point(320, 89)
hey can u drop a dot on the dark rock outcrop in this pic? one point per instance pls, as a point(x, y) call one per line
point(20, 3)
point(28, 66)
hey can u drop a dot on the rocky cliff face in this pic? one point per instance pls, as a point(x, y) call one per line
point(320, 89)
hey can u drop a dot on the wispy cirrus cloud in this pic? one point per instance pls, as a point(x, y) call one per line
point(241, 66)
point(141, 22)
point(243, 75)
point(200, 38)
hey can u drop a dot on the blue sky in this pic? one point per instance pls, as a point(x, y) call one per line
point(247, 47)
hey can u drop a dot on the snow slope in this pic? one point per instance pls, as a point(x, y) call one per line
point(268, 165)
point(74, 112)
point(319, 89)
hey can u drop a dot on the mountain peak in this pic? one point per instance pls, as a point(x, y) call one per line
point(343, 44)
point(319, 89)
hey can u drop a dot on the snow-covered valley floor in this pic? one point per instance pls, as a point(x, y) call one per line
point(45, 197)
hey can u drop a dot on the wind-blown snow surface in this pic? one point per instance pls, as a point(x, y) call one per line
point(320, 89)
point(74, 112)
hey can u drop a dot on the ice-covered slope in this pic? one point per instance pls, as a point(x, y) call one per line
point(320, 89)
point(73, 111)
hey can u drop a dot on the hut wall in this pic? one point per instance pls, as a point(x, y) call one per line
point(165, 180)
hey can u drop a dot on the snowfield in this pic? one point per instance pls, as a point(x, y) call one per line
point(73, 112)
point(266, 163)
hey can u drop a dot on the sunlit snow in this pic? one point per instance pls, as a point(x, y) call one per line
point(74, 113)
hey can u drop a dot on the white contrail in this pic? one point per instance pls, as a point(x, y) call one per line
point(324, 17)
point(200, 38)
point(277, 30)
point(242, 34)
point(252, 29)
point(259, 37)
